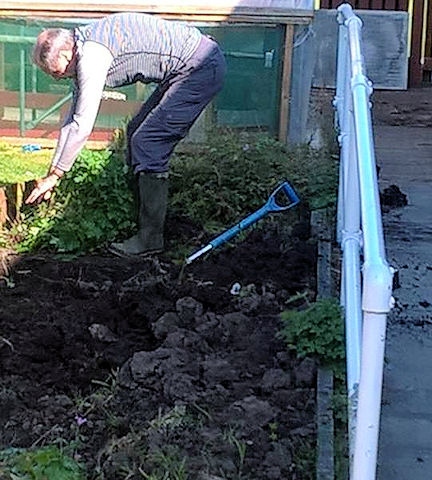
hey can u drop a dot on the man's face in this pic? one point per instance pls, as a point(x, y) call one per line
point(65, 66)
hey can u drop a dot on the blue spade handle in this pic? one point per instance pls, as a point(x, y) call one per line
point(270, 206)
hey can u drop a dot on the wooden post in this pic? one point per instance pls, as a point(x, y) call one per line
point(3, 207)
point(286, 84)
point(415, 67)
point(427, 28)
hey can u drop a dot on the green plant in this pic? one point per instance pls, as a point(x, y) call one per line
point(97, 401)
point(240, 446)
point(273, 428)
point(316, 331)
point(173, 419)
point(233, 175)
point(214, 186)
point(88, 208)
point(155, 452)
point(304, 458)
point(166, 464)
point(47, 463)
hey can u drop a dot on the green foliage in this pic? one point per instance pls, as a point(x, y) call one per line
point(91, 205)
point(214, 186)
point(233, 175)
point(17, 166)
point(240, 447)
point(316, 331)
point(166, 464)
point(48, 463)
point(304, 457)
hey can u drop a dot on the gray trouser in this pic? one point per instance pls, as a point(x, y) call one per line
point(166, 117)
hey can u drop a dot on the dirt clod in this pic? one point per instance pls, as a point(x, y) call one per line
point(136, 367)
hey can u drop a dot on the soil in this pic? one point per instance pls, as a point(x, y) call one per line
point(141, 364)
point(411, 108)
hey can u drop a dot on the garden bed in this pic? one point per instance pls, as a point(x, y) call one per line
point(150, 368)
point(141, 366)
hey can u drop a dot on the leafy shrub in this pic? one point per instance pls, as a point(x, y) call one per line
point(232, 176)
point(48, 463)
point(91, 205)
point(317, 331)
point(214, 186)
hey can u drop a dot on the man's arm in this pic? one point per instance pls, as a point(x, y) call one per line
point(92, 69)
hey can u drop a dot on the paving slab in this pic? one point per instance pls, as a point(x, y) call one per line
point(404, 155)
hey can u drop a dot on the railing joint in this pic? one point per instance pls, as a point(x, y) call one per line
point(351, 236)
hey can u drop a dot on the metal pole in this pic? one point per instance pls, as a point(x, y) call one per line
point(50, 111)
point(351, 300)
point(16, 39)
point(22, 87)
point(377, 276)
point(34, 86)
point(348, 231)
point(366, 442)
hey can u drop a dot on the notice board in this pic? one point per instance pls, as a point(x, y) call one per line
point(384, 45)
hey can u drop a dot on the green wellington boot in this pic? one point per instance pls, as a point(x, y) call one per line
point(153, 199)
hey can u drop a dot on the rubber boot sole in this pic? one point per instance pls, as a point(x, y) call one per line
point(122, 254)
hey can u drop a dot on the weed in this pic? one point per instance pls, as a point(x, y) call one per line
point(240, 446)
point(273, 427)
point(316, 331)
point(166, 464)
point(170, 420)
point(153, 453)
point(47, 463)
point(98, 400)
point(304, 459)
point(88, 208)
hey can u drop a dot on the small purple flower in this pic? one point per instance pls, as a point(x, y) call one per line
point(246, 147)
point(80, 420)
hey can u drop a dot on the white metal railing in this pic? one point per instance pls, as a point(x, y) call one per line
point(366, 280)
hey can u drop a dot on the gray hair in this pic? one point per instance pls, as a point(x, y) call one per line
point(48, 45)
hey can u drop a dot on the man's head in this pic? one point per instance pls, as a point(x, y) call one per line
point(54, 52)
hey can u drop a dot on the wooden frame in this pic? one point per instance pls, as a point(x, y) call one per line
point(259, 11)
point(284, 12)
point(428, 43)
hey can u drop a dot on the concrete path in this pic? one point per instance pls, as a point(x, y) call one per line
point(405, 445)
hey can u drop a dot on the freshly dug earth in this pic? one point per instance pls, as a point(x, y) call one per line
point(145, 367)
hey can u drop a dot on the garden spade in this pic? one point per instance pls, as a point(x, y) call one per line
point(282, 198)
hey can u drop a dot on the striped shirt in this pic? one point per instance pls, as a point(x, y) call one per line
point(144, 48)
point(118, 50)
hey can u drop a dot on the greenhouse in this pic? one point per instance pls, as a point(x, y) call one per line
point(256, 36)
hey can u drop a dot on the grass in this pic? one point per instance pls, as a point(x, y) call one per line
point(18, 166)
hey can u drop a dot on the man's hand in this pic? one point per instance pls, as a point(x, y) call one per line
point(43, 189)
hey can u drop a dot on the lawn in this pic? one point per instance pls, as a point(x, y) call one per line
point(18, 165)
